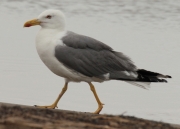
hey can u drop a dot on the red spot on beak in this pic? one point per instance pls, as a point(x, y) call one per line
point(32, 23)
point(27, 25)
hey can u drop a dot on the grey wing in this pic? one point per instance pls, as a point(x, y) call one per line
point(92, 58)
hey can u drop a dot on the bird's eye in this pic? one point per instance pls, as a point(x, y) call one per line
point(48, 16)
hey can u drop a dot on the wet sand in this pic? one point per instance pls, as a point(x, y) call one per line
point(20, 117)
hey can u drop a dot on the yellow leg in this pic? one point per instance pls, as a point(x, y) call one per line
point(100, 105)
point(54, 105)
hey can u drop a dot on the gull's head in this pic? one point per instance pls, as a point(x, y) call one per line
point(51, 19)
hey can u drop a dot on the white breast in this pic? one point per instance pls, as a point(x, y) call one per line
point(46, 41)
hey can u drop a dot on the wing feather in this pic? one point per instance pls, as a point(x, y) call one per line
point(91, 57)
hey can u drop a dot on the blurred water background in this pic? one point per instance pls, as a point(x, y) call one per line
point(146, 30)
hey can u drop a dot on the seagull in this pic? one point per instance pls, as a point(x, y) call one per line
point(79, 58)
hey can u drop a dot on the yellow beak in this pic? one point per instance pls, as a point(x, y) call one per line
point(32, 23)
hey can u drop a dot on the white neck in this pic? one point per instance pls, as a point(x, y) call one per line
point(45, 33)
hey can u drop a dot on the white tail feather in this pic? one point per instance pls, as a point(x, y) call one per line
point(144, 85)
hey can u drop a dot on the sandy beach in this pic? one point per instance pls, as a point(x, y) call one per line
point(20, 117)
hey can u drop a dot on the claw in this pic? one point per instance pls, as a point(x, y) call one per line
point(46, 107)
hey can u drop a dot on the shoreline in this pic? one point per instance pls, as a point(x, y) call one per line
point(20, 116)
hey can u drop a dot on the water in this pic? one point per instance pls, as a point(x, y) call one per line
point(147, 31)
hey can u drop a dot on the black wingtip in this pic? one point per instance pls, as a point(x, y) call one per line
point(162, 80)
point(168, 76)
